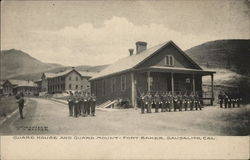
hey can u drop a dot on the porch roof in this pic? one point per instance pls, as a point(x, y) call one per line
point(178, 70)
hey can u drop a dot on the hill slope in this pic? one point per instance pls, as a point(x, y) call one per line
point(229, 54)
point(15, 62)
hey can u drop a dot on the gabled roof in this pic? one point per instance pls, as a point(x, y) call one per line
point(133, 61)
point(82, 73)
point(87, 74)
point(23, 83)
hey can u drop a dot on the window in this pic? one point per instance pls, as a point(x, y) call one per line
point(69, 86)
point(123, 83)
point(76, 78)
point(69, 78)
point(81, 87)
point(76, 86)
point(169, 60)
point(113, 85)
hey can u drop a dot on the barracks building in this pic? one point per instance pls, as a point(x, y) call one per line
point(162, 68)
point(69, 80)
point(12, 87)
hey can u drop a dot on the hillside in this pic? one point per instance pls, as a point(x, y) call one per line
point(36, 76)
point(16, 62)
point(230, 54)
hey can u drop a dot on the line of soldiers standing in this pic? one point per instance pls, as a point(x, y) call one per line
point(81, 103)
point(168, 102)
point(229, 100)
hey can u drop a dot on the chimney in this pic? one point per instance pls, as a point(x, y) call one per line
point(140, 46)
point(131, 51)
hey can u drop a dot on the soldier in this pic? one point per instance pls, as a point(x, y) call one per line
point(192, 101)
point(81, 104)
point(180, 101)
point(92, 104)
point(229, 100)
point(76, 104)
point(142, 102)
point(220, 97)
point(86, 103)
point(85, 99)
point(198, 101)
point(20, 101)
point(170, 101)
point(185, 101)
point(71, 103)
point(157, 101)
point(164, 102)
point(225, 99)
point(149, 102)
point(175, 100)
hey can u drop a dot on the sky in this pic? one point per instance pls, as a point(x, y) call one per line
point(100, 32)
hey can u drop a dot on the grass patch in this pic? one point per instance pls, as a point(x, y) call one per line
point(7, 106)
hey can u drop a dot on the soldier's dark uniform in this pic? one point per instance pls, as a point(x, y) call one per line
point(185, 101)
point(92, 104)
point(142, 103)
point(233, 100)
point(20, 101)
point(225, 100)
point(175, 101)
point(157, 102)
point(170, 102)
point(198, 102)
point(164, 102)
point(180, 102)
point(76, 104)
point(220, 97)
point(81, 104)
point(229, 101)
point(71, 103)
point(149, 102)
point(192, 103)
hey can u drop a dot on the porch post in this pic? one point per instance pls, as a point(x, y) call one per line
point(148, 80)
point(193, 84)
point(172, 82)
point(212, 88)
point(133, 89)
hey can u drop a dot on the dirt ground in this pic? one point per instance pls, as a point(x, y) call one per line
point(53, 115)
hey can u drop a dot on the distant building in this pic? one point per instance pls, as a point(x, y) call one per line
point(69, 80)
point(163, 68)
point(12, 87)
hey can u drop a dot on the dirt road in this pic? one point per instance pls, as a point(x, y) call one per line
point(52, 118)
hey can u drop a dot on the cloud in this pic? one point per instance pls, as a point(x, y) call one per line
point(89, 45)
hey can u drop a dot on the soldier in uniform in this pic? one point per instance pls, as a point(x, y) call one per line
point(71, 103)
point(92, 104)
point(87, 103)
point(220, 97)
point(225, 99)
point(170, 101)
point(239, 99)
point(175, 101)
point(229, 100)
point(142, 102)
point(81, 104)
point(192, 101)
point(149, 102)
point(198, 101)
point(164, 102)
point(76, 104)
point(185, 101)
point(20, 101)
point(157, 101)
point(180, 101)
point(233, 100)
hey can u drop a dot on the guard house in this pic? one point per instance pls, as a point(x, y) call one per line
point(163, 68)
